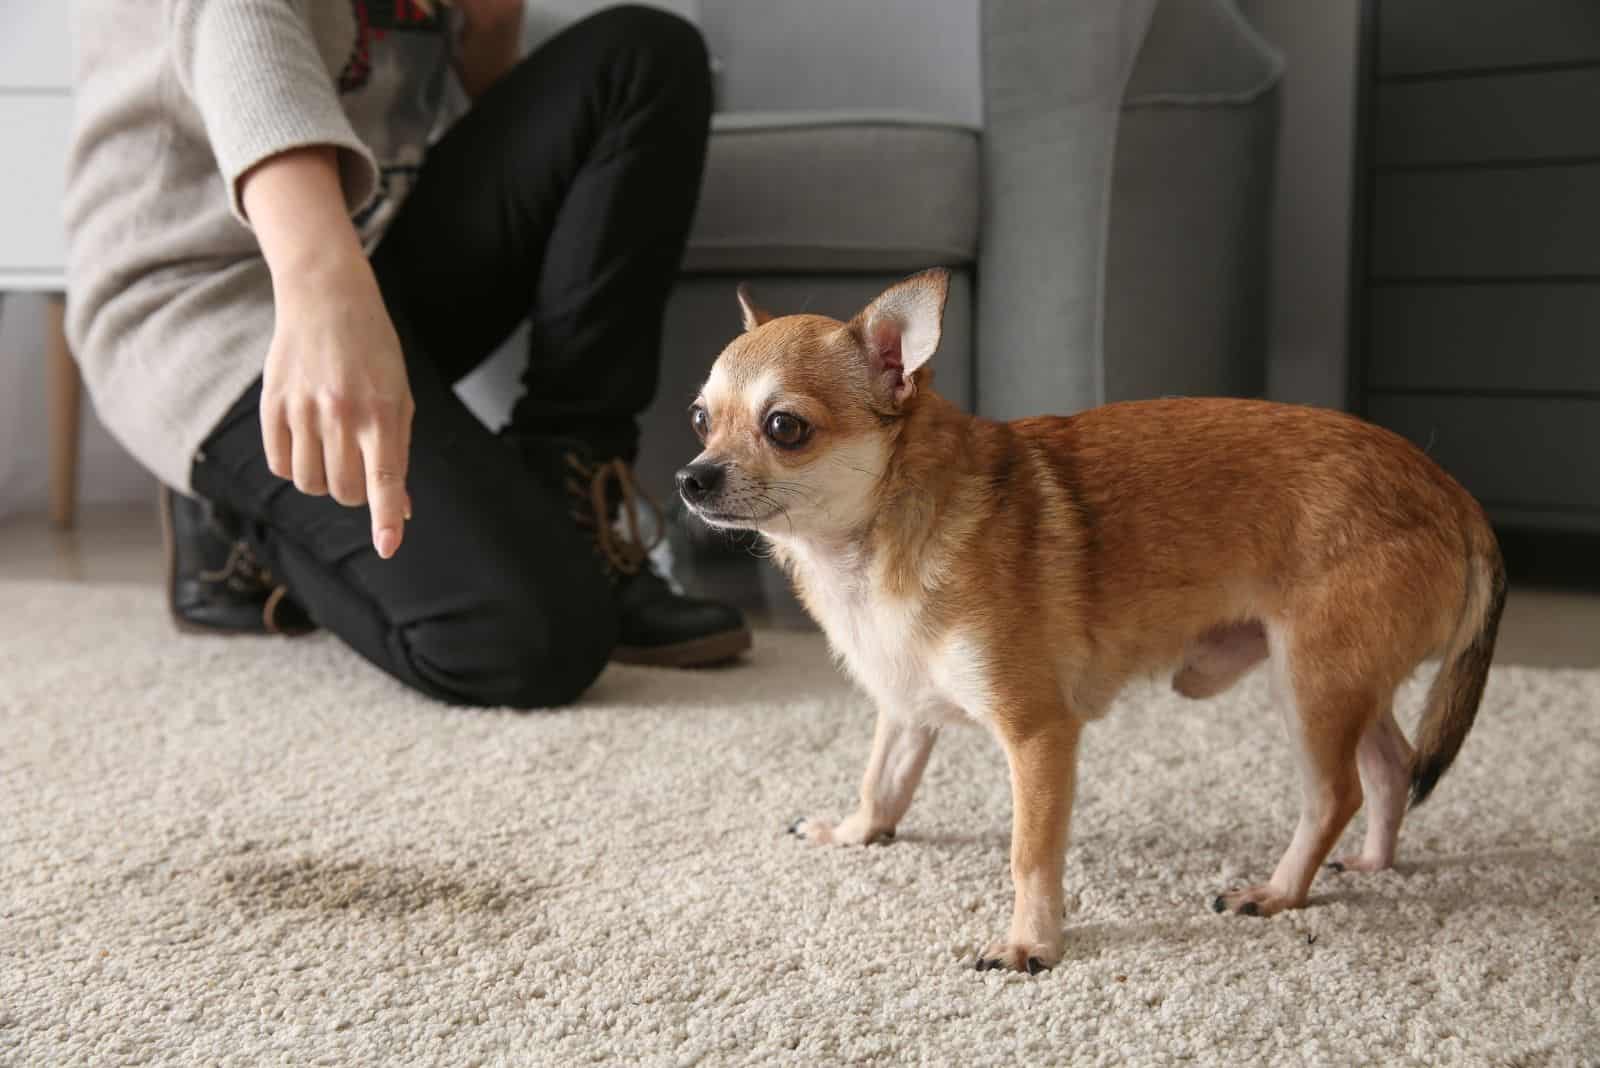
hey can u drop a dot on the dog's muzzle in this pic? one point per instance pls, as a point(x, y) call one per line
point(699, 483)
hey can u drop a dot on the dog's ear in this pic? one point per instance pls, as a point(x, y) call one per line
point(754, 314)
point(901, 329)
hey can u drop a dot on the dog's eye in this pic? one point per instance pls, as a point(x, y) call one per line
point(787, 431)
point(700, 419)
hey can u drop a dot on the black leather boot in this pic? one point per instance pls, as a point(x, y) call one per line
point(659, 626)
point(215, 585)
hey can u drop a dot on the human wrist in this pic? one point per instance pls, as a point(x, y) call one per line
point(311, 273)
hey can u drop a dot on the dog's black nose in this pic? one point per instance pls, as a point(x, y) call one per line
point(700, 481)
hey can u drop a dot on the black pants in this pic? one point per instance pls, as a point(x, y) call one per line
point(564, 198)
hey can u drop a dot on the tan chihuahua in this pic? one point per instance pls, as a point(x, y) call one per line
point(1020, 574)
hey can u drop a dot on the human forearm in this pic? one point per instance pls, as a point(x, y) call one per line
point(296, 206)
point(335, 401)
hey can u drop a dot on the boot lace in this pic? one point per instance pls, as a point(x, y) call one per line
point(243, 573)
point(622, 552)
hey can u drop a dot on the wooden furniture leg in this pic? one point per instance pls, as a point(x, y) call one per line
point(66, 406)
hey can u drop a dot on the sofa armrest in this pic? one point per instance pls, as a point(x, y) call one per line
point(1201, 53)
point(1058, 78)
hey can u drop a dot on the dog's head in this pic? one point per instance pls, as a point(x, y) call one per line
point(799, 414)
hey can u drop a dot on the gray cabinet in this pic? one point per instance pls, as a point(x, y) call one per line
point(1476, 291)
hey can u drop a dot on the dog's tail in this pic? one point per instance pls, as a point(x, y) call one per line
point(1453, 698)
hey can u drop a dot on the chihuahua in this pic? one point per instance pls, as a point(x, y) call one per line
point(1019, 574)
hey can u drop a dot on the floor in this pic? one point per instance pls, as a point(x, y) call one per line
point(214, 853)
point(1548, 622)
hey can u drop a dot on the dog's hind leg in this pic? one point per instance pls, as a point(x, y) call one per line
point(1384, 756)
point(1325, 720)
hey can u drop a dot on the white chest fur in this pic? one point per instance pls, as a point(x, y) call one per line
point(886, 645)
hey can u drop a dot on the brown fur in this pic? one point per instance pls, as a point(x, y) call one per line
point(1068, 555)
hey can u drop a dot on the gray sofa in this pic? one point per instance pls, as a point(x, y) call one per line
point(1106, 229)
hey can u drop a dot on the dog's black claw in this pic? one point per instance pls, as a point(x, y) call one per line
point(1249, 908)
point(1334, 865)
point(986, 965)
point(886, 836)
point(1035, 966)
point(794, 828)
point(1218, 905)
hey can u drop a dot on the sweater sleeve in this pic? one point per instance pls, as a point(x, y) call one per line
point(254, 73)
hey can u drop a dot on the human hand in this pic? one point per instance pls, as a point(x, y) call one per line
point(336, 405)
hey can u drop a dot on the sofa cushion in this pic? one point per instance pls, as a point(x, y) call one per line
point(835, 191)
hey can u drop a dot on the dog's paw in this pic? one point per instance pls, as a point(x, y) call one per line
point(1253, 901)
point(850, 831)
point(1032, 958)
point(1357, 862)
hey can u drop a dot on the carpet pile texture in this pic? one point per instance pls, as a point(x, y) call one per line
point(239, 851)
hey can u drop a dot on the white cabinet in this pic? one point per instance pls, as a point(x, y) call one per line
point(32, 245)
point(35, 48)
point(35, 122)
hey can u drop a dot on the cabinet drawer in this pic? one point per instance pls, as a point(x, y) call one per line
point(1550, 114)
point(1432, 36)
point(36, 44)
point(1509, 223)
point(1541, 338)
point(31, 232)
point(1526, 454)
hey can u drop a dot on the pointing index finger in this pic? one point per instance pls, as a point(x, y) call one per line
point(385, 454)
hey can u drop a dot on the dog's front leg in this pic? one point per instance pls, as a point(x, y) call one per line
point(900, 749)
point(1043, 772)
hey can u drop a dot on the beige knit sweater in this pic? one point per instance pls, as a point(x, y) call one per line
point(170, 309)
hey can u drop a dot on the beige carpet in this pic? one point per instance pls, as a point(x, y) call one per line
point(260, 852)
